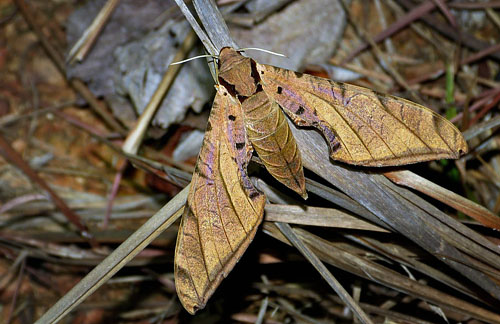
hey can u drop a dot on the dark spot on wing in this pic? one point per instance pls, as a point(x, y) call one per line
point(232, 117)
point(342, 92)
point(279, 90)
point(382, 98)
point(209, 127)
point(242, 98)
point(230, 87)
point(255, 72)
point(254, 194)
point(300, 111)
point(298, 74)
point(200, 173)
point(240, 146)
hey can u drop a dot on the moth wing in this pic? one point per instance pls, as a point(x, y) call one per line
point(223, 208)
point(361, 126)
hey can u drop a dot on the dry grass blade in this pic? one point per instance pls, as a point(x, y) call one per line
point(116, 260)
point(316, 263)
point(394, 252)
point(354, 260)
point(339, 198)
point(482, 127)
point(59, 62)
point(314, 216)
point(385, 200)
point(84, 44)
point(468, 39)
point(450, 230)
point(475, 211)
point(11, 155)
point(446, 12)
point(414, 14)
point(134, 139)
point(196, 27)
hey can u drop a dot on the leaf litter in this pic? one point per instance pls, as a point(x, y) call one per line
point(366, 239)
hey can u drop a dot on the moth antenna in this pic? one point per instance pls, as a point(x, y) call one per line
point(193, 58)
point(262, 50)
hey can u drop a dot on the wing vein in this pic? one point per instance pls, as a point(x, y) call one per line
point(198, 236)
point(232, 203)
point(348, 125)
point(220, 212)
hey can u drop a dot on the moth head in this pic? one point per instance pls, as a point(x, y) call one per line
point(229, 58)
point(236, 74)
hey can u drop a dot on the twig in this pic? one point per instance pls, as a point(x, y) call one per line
point(414, 14)
point(468, 40)
point(327, 275)
point(58, 60)
point(446, 12)
point(12, 307)
point(118, 258)
point(122, 166)
point(134, 139)
point(384, 63)
point(196, 27)
point(88, 38)
point(11, 155)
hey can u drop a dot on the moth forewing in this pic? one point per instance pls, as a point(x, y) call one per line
point(363, 127)
point(223, 209)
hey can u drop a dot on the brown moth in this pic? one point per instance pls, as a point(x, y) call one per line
point(224, 209)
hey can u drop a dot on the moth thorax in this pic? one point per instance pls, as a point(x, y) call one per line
point(236, 73)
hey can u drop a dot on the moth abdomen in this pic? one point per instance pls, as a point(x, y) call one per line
point(271, 137)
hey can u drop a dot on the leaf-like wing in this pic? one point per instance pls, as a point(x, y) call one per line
point(223, 209)
point(361, 126)
point(270, 135)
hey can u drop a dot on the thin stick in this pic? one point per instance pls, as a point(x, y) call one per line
point(327, 275)
point(196, 27)
point(16, 159)
point(134, 139)
point(116, 260)
point(58, 60)
point(88, 38)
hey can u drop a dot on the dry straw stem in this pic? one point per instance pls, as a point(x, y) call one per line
point(120, 257)
point(134, 139)
point(349, 258)
point(58, 60)
point(471, 209)
point(321, 268)
point(88, 38)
